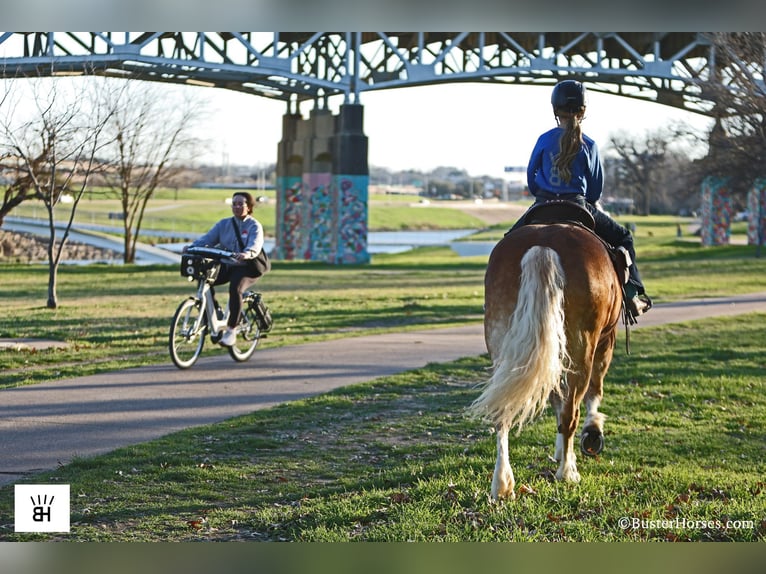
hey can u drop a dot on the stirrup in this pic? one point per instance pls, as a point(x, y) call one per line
point(639, 304)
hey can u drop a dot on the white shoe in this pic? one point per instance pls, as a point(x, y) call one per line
point(229, 338)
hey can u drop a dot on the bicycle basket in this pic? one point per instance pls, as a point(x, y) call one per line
point(196, 267)
point(262, 313)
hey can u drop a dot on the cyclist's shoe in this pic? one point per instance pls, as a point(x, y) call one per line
point(229, 338)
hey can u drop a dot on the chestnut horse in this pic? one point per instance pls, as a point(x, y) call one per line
point(552, 305)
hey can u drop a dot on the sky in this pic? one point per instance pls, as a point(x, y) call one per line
point(476, 127)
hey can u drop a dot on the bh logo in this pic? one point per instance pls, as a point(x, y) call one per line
point(41, 508)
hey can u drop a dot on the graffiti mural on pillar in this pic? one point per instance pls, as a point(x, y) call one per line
point(290, 217)
point(320, 217)
point(756, 207)
point(322, 187)
point(352, 218)
point(716, 211)
point(323, 217)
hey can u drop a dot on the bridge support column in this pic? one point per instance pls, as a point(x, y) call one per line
point(756, 207)
point(322, 187)
point(716, 211)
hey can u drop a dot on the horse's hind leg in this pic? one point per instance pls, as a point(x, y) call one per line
point(557, 404)
point(568, 416)
point(503, 483)
point(592, 436)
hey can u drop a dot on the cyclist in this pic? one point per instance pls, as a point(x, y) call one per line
point(243, 235)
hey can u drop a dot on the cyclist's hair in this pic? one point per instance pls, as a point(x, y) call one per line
point(570, 142)
point(248, 199)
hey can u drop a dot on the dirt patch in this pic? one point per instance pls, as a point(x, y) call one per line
point(31, 344)
point(490, 212)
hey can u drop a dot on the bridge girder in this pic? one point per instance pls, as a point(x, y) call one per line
point(664, 67)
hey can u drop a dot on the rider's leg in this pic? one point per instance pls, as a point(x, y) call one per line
point(619, 236)
point(240, 282)
point(224, 275)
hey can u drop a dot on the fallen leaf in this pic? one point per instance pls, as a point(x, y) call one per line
point(399, 497)
point(683, 498)
point(526, 489)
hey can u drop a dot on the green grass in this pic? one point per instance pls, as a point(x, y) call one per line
point(118, 316)
point(397, 218)
point(396, 460)
point(193, 211)
point(123, 321)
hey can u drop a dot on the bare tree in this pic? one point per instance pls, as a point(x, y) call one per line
point(738, 87)
point(17, 185)
point(646, 161)
point(151, 135)
point(53, 154)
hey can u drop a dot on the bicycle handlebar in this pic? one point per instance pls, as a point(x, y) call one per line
point(211, 252)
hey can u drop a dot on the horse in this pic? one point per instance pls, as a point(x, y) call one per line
point(552, 302)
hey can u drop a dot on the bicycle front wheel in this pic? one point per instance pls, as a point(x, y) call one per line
point(248, 334)
point(187, 334)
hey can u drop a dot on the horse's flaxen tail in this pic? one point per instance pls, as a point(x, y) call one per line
point(532, 357)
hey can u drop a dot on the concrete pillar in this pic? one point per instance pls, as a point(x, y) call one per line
point(322, 187)
point(716, 211)
point(756, 207)
point(317, 181)
point(351, 178)
point(289, 188)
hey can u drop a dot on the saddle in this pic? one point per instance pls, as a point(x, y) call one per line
point(565, 211)
point(559, 211)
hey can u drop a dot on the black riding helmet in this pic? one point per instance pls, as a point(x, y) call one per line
point(568, 96)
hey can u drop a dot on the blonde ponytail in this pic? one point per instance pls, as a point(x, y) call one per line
point(570, 143)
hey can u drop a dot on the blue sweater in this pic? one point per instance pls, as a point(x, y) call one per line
point(222, 236)
point(587, 174)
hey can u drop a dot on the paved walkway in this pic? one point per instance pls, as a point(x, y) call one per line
point(48, 424)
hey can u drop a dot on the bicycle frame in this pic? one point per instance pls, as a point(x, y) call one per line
point(196, 316)
point(207, 311)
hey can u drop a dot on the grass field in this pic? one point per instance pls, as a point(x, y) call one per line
point(396, 459)
point(124, 321)
point(193, 211)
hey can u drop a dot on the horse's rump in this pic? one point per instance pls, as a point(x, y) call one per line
point(576, 315)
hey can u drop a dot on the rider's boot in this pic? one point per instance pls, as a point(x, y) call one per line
point(636, 299)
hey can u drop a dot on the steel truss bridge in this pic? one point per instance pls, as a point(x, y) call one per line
point(667, 68)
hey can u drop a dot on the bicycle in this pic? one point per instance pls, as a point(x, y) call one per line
point(197, 316)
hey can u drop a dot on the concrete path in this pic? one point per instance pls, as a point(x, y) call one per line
point(44, 425)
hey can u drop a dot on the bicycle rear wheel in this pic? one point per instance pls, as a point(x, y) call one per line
point(187, 334)
point(248, 333)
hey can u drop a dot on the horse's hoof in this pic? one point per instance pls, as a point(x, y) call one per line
point(591, 442)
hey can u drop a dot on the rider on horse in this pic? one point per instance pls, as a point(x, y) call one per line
point(566, 166)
